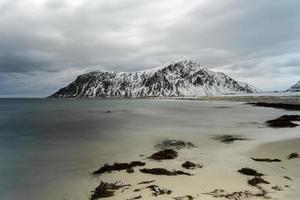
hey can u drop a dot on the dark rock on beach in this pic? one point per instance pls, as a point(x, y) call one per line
point(119, 167)
point(293, 155)
point(190, 165)
point(162, 171)
point(250, 172)
point(291, 117)
point(281, 123)
point(277, 105)
point(285, 121)
point(166, 154)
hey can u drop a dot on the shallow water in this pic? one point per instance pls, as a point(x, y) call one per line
point(49, 147)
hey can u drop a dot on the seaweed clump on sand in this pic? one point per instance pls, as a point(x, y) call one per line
point(250, 172)
point(119, 167)
point(136, 197)
point(228, 139)
point(130, 170)
point(293, 156)
point(285, 121)
point(166, 154)
point(106, 190)
point(156, 190)
point(174, 144)
point(186, 197)
point(277, 188)
point(288, 178)
point(162, 171)
point(146, 182)
point(265, 160)
point(190, 165)
point(257, 180)
point(240, 195)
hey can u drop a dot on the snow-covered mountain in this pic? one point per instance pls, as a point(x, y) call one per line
point(251, 87)
point(295, 88)
point(174, 79)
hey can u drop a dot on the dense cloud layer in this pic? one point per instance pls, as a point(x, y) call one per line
point(44, 44)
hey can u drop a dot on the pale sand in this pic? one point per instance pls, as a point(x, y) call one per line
point(276, 171)
point(220, 165)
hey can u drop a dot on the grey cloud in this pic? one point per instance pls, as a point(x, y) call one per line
point(250, 40)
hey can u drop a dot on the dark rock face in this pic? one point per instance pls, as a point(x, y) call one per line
point(176, 79)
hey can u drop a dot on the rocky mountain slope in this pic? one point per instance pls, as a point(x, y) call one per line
point(295, 88)
point(175, 79)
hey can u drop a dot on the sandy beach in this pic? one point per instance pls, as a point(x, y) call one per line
point(221, 162)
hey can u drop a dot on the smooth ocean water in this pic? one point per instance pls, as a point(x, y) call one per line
point(49, 147)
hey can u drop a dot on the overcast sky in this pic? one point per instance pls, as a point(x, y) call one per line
point(45, 44)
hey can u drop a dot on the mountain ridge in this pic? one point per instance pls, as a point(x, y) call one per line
point(174, 79)
point(295, 87)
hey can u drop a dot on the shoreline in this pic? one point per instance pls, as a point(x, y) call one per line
point(130, 132)
point(219, 176)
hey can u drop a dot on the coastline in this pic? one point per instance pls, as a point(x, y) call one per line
point(131, 130)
